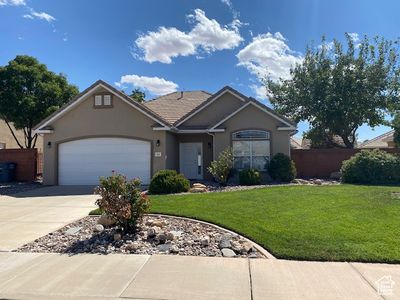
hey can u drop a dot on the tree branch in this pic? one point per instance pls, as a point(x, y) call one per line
point(13, 134)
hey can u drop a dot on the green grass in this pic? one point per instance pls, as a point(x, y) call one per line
point(335, 223)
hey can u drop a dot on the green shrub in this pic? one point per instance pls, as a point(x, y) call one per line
point(249, 177)
point(282, 168)
point(371, 167)
point(122, 200)
point(221, 168)
point(168, 182)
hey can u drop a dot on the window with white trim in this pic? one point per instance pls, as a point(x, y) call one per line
point(251, 149)
point(102, 101)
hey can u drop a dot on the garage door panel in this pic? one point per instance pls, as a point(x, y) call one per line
point(83, 161)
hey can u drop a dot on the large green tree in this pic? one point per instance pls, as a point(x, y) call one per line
point(338, 88)
point(29, 92)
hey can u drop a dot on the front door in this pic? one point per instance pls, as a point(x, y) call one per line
point(191, 160)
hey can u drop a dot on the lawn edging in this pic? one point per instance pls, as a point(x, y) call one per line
point(259, 248)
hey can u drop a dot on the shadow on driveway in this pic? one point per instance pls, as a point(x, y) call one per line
point(57, 190)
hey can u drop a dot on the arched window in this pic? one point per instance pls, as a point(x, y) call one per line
point(251, 149)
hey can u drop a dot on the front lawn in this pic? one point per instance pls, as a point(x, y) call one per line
point(336, 223)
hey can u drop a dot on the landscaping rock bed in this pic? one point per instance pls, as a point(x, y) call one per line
point(213, 187)
point(155, 235)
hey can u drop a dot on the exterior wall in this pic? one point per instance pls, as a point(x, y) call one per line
point(207, 141)
point(84, 121)
point(172, 151)
point(9, 141)
point(253, 118)
point(215, 112)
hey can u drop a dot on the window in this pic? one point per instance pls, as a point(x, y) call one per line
point(251, 149)
point(102, 101)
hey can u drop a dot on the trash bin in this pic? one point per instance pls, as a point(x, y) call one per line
point(7, 171)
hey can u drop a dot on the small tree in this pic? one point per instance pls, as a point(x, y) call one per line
point(339, 88)
point(29, 92)
point(122, 200)
point(222, 167)
point(282, 168)
point(138, 95)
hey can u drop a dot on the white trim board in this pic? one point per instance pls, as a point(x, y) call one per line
point(82, 97)
point(207, 104)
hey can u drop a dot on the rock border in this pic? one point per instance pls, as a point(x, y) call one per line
point(255, 245)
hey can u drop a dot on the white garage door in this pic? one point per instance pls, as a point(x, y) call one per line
point(82, 162)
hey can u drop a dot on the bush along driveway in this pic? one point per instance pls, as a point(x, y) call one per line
point(328, 223)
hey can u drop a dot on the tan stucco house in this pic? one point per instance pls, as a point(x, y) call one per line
point(7, 140)
point(385, 140)
point(102, 130)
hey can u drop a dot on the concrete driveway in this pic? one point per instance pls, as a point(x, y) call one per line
point(27, 216)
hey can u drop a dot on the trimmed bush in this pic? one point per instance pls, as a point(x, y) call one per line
point(249, 177)
point(168, 182)
point(122, 200)
point(282, 168)
point(221, 168)
point(372, 167)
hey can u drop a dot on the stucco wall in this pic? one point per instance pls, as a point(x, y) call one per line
point(214, 112)
point(172, 151)
point(253, 118)
point(84, 121)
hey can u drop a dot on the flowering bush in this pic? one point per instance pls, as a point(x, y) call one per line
point(122, 200)
point(221, 168)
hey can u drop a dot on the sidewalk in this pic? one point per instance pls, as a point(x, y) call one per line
point(54, 276)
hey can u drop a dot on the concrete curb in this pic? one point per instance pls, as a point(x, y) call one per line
point(257, 246)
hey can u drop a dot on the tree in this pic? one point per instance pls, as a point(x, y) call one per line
point(337, 90)
point(396, 127)
point(29, 92)
point(138, 95)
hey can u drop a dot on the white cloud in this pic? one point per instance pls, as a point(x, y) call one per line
point(165, 44)
point(27, 17)
point(268, 55)
point(354, 36)
point(259, 91)
point(12, 2)
point(40, 15)
point(206, 35)
point(229, 4)
point(155, 85)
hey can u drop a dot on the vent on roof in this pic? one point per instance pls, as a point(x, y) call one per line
point(181, 96)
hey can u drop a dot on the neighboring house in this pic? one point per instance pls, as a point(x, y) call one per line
point(7, 140)
point(102, 129)
point(295, 143)
point(385, 140)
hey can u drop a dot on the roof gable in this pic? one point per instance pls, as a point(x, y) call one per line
point(82, 96)
point(210, 100)
point(287, 124)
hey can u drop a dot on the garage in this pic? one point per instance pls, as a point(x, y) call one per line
point(82, 162)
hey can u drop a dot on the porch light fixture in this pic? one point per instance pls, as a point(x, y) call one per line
point(49, 145)
point(158, 143)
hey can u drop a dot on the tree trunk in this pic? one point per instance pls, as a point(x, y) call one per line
point(347, 142)
point(13, 134)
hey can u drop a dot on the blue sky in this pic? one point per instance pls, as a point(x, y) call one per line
point(162, 46)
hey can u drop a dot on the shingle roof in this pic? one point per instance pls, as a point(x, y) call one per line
point(174, 106)
point(380, 141)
